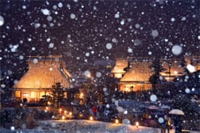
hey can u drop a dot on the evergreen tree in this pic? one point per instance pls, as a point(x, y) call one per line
point(157, 68)
point(58, 94)
point(184, 65)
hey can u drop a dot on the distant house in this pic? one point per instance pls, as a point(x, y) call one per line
point(134, 76)
point(43, 72)
point(137, 77)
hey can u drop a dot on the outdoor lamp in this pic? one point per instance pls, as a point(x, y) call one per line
point(116, 121)
point(91, 118)
point(81, 115)
point(137, 124)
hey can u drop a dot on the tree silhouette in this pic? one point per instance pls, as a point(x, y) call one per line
point(157, 68)
point(58, 94)
point(184, 65)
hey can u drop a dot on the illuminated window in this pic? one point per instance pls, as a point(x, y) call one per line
point(17, 93)
point(81, 95)
point(48, 93)
point(33, 94)
point(65, 95)
point(42, 93)
point(129, 88)
point(25, 95)
point(117, 75)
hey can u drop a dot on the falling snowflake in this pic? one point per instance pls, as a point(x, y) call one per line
point(1, 20)
point(176, 49)
point(153, 98)
point(45, 11)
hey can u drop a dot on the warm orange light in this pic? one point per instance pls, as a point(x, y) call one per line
point(175, 72)
point(60, 109)
point(137, 124)
point(65, 111)
point(70, 113)
point(81, 95)
point(26, 95)
point(117, 121)
point(17, 93)
point(63, 117)
point(80, 115)
point(117, 75)
point(89, 76)
point(41, 94)
point(33, 94)
point(91, 118)
point(47, 108)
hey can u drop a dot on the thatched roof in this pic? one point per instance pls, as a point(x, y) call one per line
point(44, 72)
point(120, 65)
point(139, 72)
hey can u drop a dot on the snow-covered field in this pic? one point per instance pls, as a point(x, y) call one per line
point(83, 126)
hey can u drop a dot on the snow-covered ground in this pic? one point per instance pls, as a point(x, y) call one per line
point(84, 126)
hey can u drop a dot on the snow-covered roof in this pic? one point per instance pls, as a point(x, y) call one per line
point(120, 65)
point(44, 72)
point(139, 72)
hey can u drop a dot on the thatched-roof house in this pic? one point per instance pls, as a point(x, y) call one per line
point(44, 71)
point(137, 77)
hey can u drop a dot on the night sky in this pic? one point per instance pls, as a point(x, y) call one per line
point(83, 31)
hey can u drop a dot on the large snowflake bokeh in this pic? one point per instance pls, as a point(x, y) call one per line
point(83, 31)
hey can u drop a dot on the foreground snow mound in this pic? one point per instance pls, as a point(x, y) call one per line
point(84, 126)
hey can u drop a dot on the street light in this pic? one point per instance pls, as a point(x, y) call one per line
point(137, 124)
point(116, 121)
point(91, 118)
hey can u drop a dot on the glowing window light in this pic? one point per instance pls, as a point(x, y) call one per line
point(175, 72)
point(63, 117)
point(70, 113)
point(33, 94)
point(26, 95)
point(81, 95)
point(17, 94)
point(41, 94)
